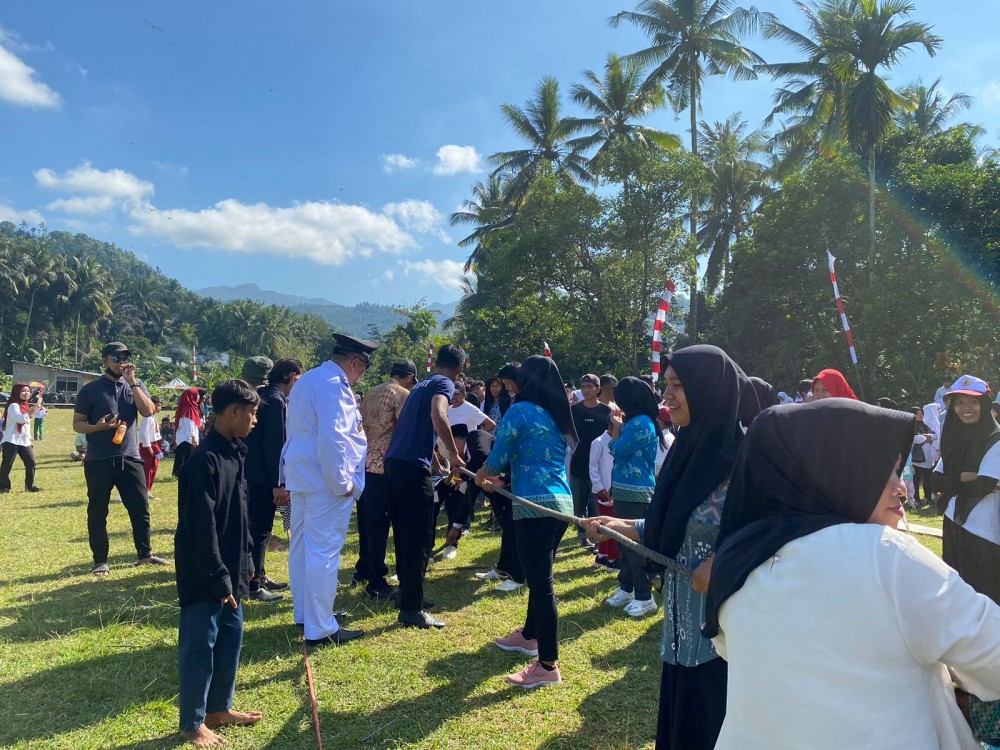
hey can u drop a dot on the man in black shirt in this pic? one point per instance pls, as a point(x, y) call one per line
point(107, 411)
point(591, 419)
point(264, 490)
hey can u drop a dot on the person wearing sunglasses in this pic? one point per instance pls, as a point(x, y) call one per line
point(323, 467)
point(107, 411)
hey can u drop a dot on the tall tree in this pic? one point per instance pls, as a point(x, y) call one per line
point(872, 41)
point(739, 182)
point(91, 302)
point(617, 101)
point(929, 111)
point(41, 270)
point(689, 41)
point(547, 133)
point(488, 211)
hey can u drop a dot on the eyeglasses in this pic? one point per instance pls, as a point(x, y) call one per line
point(121, 359)
point(365, 361)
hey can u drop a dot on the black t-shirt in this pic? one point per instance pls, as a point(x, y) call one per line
point(413, 436)
point(590, 423)
point(100, 398)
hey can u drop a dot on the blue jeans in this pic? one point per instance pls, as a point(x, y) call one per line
point(208, 645)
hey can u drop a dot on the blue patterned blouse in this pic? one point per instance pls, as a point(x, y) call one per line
point(635, 454)
point(529, 441)
point(683, 608)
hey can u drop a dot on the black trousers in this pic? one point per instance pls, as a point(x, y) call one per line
point(411, 510)
point(692, 706)
point(922, 476)
point(537, 541)
point(373, 531)
point(128, 477)
point(508, 562)
point(9, 452)
point(260, 500)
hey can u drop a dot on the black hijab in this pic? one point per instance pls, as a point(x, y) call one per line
point(539, 382)
point(503, 400)
point(758, 395)
point(922, 428)
point(797, 475)
point(635, 398)
point(704, 452)
point(962, 449)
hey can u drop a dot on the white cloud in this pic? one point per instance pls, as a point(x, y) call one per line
point(991, 94)
point(456, 159)
point(179, 170)
point(19, 83)
point(447, 274)
point(328, 233)
point(99, 190)
point(415, 215)
point(393, 162)
point(11, 214)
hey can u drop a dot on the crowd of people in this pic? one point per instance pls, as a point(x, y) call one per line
point(806, 606)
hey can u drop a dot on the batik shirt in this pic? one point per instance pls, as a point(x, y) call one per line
point(529, 441)
point(379, 410)
point(635, 458)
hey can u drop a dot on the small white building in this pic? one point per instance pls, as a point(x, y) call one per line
point(55, 379)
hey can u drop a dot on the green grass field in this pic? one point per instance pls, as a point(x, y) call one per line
point(88, 663)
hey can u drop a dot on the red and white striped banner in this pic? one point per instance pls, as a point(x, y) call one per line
point(545, 349)
point(840, 308)
point(430, 356)
point(661, 319)
point(194, 364)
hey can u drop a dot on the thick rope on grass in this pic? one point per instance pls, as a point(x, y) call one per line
point(312, 695)
point(650, 554)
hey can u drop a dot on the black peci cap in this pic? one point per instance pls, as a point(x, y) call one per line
point(403, 367)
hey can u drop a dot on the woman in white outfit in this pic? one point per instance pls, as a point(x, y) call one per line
point(839, 630)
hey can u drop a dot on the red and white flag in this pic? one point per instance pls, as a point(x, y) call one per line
point(661, 319)
point(430, 356)
point(545, 349)
point(194, 364)
point(840, 308)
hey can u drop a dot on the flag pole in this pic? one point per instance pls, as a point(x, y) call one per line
point(848, 334)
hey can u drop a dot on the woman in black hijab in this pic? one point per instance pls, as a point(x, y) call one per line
point(823, 609)
point(708, 396)
point(967, 478)
point(533, 439)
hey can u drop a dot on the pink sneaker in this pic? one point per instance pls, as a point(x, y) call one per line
point(517, 642)
point(535, 675)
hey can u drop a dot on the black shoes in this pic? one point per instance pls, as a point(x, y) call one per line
point(419, 619)
point(339, 638)
point(380, 594)
point(270, 584)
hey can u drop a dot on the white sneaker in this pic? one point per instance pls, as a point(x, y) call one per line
point(619, 598)
point(491, 575)
point(640, 608)
point(449, 553)
point(510, 585)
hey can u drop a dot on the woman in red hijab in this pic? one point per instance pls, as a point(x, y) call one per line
point(832, 384)
point(17, 437)
point(187, 428)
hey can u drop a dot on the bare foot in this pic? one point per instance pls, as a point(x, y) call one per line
point(204, 737)
point(232, 718)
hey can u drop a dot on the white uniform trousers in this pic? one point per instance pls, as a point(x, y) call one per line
point(319, 529)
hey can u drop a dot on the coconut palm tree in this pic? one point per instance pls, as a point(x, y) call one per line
point(872, 41)
point(41, 270)
point(691, 40)
point(547, 133)
point(740, 182)
point(489, 211)
point(617, 101)
point(928, 110)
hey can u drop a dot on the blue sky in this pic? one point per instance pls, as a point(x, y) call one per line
point(317, 147)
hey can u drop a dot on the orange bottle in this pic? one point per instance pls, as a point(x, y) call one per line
point(119, 434)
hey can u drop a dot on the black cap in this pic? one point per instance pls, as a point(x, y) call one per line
point(403, 367)
point(344, 344)
point(460, 387)
point(460, 430)
point(115, 347)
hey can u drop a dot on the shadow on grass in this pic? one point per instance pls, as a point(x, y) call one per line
point(91, 603)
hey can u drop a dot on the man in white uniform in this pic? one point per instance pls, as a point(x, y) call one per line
point(323, 467)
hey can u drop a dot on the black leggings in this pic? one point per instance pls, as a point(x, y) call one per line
point(27, 454)
point(508, 562)
point(922, 476)
point(537, 541)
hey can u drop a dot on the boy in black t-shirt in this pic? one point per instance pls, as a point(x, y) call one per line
point(212, 549)
point(591, 419)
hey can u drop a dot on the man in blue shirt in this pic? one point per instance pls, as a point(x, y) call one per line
point(408, 469)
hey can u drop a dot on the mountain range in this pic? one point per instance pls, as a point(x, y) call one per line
point(354, 320)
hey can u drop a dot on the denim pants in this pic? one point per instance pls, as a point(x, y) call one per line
point(208, 646)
